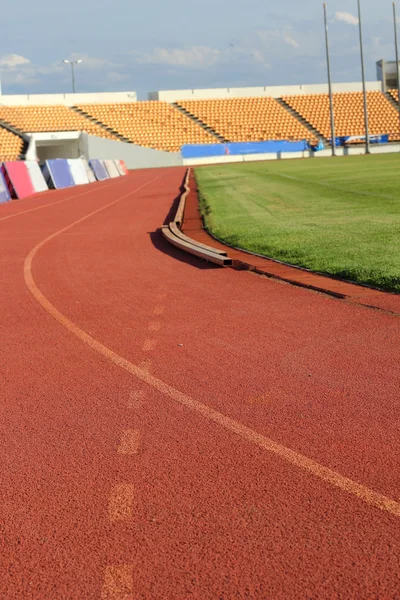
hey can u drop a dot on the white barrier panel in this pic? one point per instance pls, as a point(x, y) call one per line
point(90, 175)
point(36, 175)
point(78, 171)
point(120, 168)
point(111, 168)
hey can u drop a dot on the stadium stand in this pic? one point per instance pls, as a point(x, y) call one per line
point(32, 119)
point(349, 113)
point(150, 123)
point(248, 119)
point(11, 145)
point(170, 126)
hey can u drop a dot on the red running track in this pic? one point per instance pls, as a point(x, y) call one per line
point(171, 430)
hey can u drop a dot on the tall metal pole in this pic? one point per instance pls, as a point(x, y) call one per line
point(73, 77)
point(397, 57)
point(328, 63)
point(367, 150)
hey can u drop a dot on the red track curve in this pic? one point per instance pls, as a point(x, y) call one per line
point(247, 448)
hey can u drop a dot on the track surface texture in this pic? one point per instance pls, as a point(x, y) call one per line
point(173, 430)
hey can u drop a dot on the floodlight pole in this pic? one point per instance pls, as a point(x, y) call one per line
point(367, 150)
point(396, 45)
point(328, 63)
point(73, 63)
point(73, 77)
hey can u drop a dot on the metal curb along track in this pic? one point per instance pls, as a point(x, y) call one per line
point(173, 234)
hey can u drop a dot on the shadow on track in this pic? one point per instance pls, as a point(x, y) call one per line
point(163, 246)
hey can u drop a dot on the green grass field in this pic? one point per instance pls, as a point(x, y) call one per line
point(338, 216)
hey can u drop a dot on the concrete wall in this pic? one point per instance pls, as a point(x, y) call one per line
point(352, 151)
point(68, 99)
point(274, 91)
point(69, 149)
point(43, 146)
point(135, 157)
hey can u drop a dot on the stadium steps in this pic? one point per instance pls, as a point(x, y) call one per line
point(303, 121)
point(20, 134)
point(392, 100)
point(199, 122)
point(89, 117)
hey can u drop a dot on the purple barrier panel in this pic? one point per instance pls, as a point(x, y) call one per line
point(18, 179)
point(99, 169)
point(58, 174)
point(4, 193)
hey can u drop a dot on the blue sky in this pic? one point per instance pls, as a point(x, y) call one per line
point(173, 44)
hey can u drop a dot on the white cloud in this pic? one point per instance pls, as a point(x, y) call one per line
point(92, 63)
point(287, 37)
point(196, 57)
point(284, 35)
point(346, 18)
point(13, 61)
point(115, 77)
point(259, 57)
point(20, 71)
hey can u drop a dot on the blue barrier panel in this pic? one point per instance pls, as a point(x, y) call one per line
point(58, 174)
point(4, 193)
point(374, 139)
point(240, 148)
point(99, 169)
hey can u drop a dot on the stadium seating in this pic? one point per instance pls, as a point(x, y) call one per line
point(160, 125)
point(152, 124)
point(248, 119)
point(31, 119)
point(349, 113)
point(11, 145)
point(394, 94)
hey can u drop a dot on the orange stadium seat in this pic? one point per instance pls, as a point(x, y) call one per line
point(349, 113)
point(32, 119)
point(154, 124)
point(159, 125)
point(248, 119)
point(11, 145)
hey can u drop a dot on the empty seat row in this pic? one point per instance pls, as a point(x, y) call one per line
point(32, 119)
point(11, 145)
point(248, 119)
point(349, 113)
point(153, 124)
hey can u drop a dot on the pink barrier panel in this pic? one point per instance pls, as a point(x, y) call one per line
point(124, 167)
point(18, 179)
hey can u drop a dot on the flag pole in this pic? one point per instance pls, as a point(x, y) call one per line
point(367, 150)
point(328, 64)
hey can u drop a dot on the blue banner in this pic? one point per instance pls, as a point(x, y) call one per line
point(240, 148)
point(374, 139)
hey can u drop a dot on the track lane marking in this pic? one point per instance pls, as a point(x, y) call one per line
point(118, 583)
point(24, 212)
point(120, 503)
point(149, 345)
point(333, 478)
point(145, 365)
point(130, 442)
